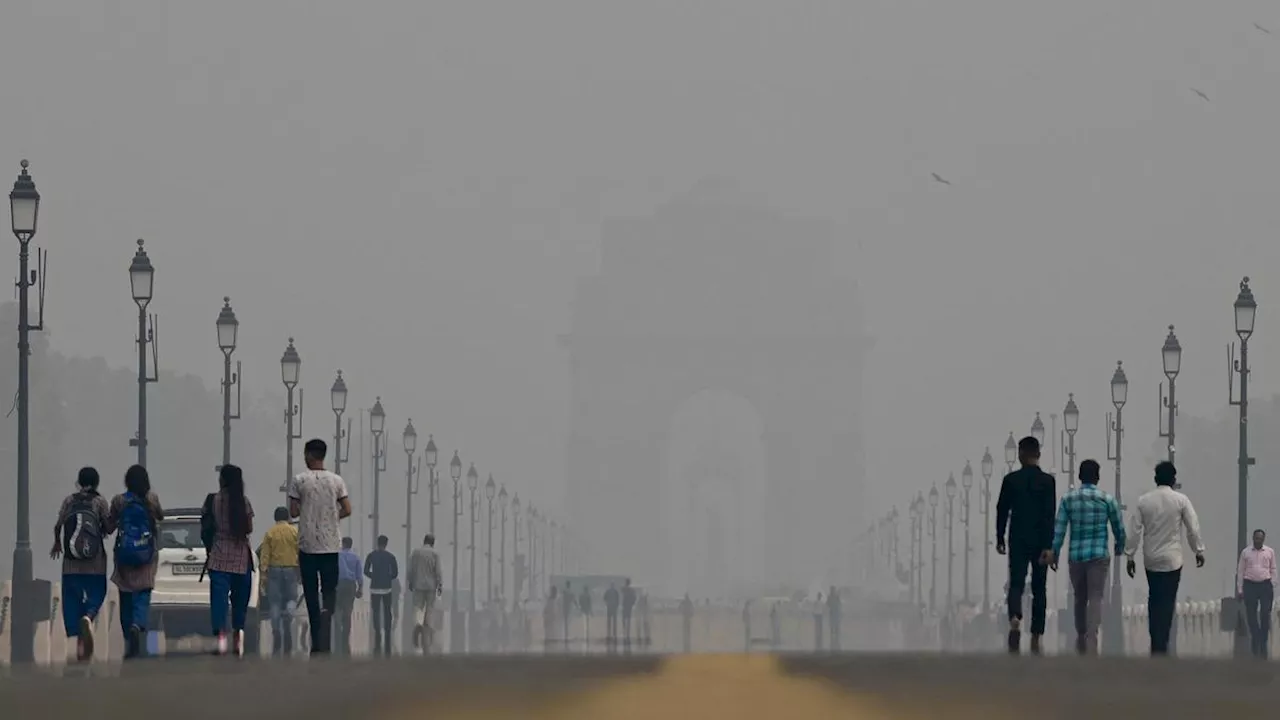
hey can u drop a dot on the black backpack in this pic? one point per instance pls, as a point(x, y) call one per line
point(82, 529)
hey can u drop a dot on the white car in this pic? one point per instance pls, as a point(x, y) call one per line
point(180, 599)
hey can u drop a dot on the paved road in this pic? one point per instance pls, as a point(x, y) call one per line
point(703, 687)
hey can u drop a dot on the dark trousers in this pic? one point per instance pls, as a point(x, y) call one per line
point(1162, 597)
point(320, 590)
point(1258, 596)
point(611, 623)
point(342, 617)
point(1019, 558)
point(381, 607)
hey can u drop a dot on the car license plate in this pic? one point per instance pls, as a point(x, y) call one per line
point(187, 568)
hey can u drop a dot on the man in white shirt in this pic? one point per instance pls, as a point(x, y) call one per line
point(1161, 516)
point(318, 498)
point(1255, 586)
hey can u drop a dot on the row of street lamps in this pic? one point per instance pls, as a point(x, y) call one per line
point(542, 534)
point(923, 510)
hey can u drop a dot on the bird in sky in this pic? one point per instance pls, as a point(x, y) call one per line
point(1202, 95)
point(939, 178)
point(1262, 28)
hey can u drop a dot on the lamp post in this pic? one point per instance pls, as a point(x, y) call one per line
point(290, 371)
point(433, 485)
point(24, 206)
point(918, 570)
point(1070, 424)
point(951, 538)
point(988, 466)
point(411, 480)
point(518, 569)
point(377, 423)
point(1246, 311)
point(966, 482)
point(933, 534)
point(490, 493)
point(473, 480)
point(142, 283)
point(913, 514)
point(530, 520)
point(893, 541)
point(1037, 429)
point(228, 329)
point(338, 402)
point(1010, 451)
point(1171, 359)
point(455, 636)
point(1113, 633)
point(502, 545)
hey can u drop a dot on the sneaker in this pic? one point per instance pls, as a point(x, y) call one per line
point(220, 644)
point(237, 643)
point(85, 646)
point(1035, 644)
point(134, 648)
point(1015, 635)
point(1082, 647)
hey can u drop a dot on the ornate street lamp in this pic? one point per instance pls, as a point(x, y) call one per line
point(455, 627)
point(1070, 424)
point(1010, 451)
point(1246, 312)
point(473, 482)
point(1037, 430)
point(433, 484)
point(1112, 636)
point(338, 402)
point(490, 494)
point(988, 468)
point(290, 373)
point(228, 330)
point(142, 282)
point(502, 545)
point(951, 552)
point(966, 483)
point(377, 424)
point(933, 533)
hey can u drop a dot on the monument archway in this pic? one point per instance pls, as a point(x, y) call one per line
point(715, 291)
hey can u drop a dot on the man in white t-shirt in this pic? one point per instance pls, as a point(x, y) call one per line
point(318, 499)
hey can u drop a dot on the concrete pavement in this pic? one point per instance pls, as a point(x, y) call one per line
point(991, 687)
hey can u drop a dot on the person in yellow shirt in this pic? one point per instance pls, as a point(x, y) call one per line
point(278, 560)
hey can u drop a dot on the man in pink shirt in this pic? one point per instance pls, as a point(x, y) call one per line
point(1255, 585)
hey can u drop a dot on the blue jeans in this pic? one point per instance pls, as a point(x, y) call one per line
point(224, 585)
point(134, 609)
point(82, 596)
point(282, 593)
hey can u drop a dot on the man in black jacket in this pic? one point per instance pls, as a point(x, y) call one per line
point(381, 569)
point(1027, 505)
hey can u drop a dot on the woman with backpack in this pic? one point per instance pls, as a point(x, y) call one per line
point(77, 539)
point(230, 559)
point(133, 517)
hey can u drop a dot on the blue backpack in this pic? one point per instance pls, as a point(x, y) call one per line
point(135, 541)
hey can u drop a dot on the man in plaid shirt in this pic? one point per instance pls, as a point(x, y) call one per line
point(1087, 511)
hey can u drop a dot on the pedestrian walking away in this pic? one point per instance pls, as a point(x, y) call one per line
point(1026, 506)
point(318, 499)
point(584, 604)
point(350, 589)
point(1255, 587)
point(426, 582)
point(1086, 513)
point(611, 600)
point(78, 540)
point(230, 561)
point(381, 569)
point(1162, 515)
point(278, 580)
point(134, 517)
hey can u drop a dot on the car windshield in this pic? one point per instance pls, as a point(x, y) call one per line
point(180, 534)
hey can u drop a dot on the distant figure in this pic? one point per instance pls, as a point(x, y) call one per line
point(231, 560)
point(78, 540)
point(350, 588)
point(584, 604)
point(818, 610)
point(278, 580)
point(1087, 511)
point(318, 498)
point(686, 615)
point(566, 602)
point(611, 601)
point(1255, 587)
point(549, 611)
point(134, 516)
point(426, 582)
point(381, 569)
point(1027, 506)
point(628, 604)
point(833, 611)
point(1161, 515)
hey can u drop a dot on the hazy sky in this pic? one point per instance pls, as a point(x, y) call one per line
point(411, 188)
